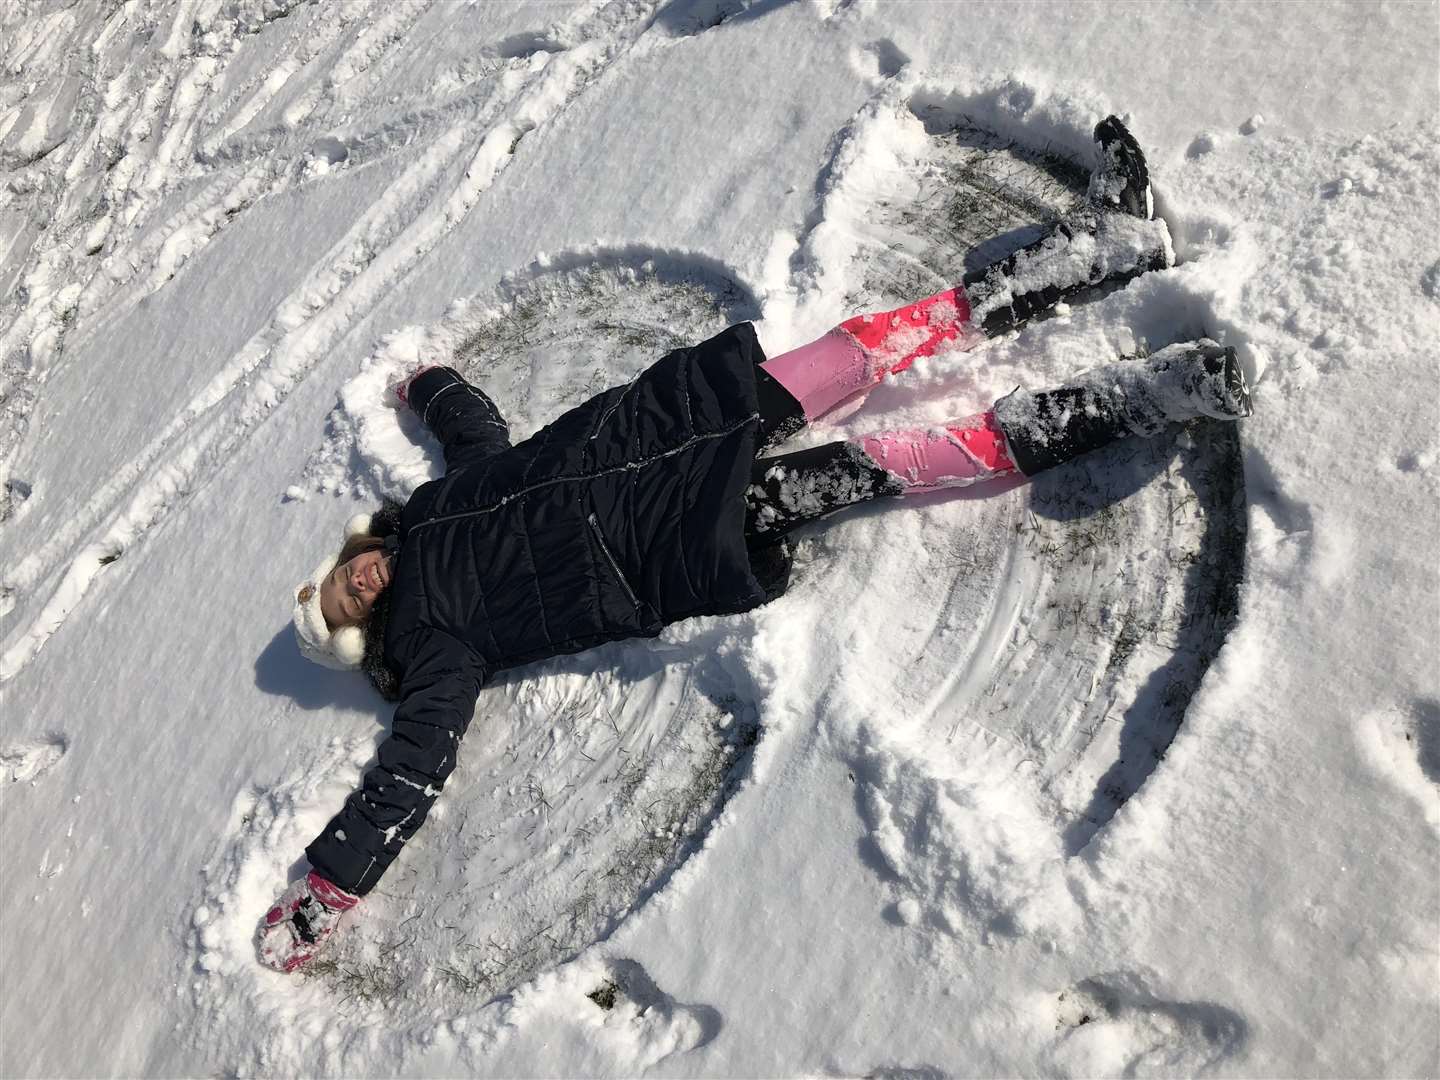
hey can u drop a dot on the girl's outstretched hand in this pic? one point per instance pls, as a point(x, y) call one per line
point(298, 923)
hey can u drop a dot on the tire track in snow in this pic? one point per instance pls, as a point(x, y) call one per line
point(33, 151)
point(357, 272)
point(145, 139)
point(249, 101)
point(104, 174)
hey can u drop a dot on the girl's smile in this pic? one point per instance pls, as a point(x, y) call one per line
point(350, 590)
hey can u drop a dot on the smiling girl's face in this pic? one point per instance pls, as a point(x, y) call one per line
point(350, 590)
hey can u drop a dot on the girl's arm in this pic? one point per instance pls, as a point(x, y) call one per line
point(463, 418)
point(437, 699)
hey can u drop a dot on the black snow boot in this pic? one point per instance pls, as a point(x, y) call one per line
point(1079, 253)
point(1121, 180)
point(1113, 240)
point(1133, 397)
point(789, 490)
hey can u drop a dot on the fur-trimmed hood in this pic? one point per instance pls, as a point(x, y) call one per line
point(351, 648)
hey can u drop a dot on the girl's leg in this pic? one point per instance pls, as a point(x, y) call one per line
point(1113, 240)
point(787, 491)
point(780, 413)
point(1024, 434)
point(1181, 382)
point(861, 351)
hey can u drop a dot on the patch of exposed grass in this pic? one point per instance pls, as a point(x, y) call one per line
point(605, 994)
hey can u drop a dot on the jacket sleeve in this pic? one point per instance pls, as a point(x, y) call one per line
point(463, 418)
point(438, 692)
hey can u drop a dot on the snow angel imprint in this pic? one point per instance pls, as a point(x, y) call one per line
point(662, 500)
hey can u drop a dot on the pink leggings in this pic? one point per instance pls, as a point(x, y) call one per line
point(860, 352)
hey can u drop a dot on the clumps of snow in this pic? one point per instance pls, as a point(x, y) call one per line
point(371, 429)
point(1430, 280)
point(1142, 395)
point(31, 130)
point(324, 156)
point(603, 1017)
point(878, 60)
point(963, 854)
point(1252, 125)
point(270, 823)
point(27, 760)
point(96, 234)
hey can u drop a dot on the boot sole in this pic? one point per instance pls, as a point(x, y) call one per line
point(1112, 132)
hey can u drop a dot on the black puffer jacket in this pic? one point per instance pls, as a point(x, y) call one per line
point(625, 514)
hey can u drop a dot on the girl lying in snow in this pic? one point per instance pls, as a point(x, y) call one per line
point(654, 502)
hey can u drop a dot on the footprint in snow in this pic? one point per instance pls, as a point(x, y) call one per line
point(1114, 1024)
point(629, 987)
point(1401, 743)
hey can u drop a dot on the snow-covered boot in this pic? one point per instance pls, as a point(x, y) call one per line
point(1121, 180)
point(1114, 239)
point(1078, 253)
point(1134, 397)
point(789, 490)
point(1200, 378)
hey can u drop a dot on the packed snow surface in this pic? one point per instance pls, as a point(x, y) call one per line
point(1134, 770)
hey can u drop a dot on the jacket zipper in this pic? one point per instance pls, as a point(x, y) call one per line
point(614, 566)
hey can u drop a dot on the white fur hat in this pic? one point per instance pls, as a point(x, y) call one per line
point(344, 649)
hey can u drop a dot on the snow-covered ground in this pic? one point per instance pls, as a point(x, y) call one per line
point(870, 829)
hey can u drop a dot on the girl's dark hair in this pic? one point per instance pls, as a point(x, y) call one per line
point(384, 522)
point(358, 544)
